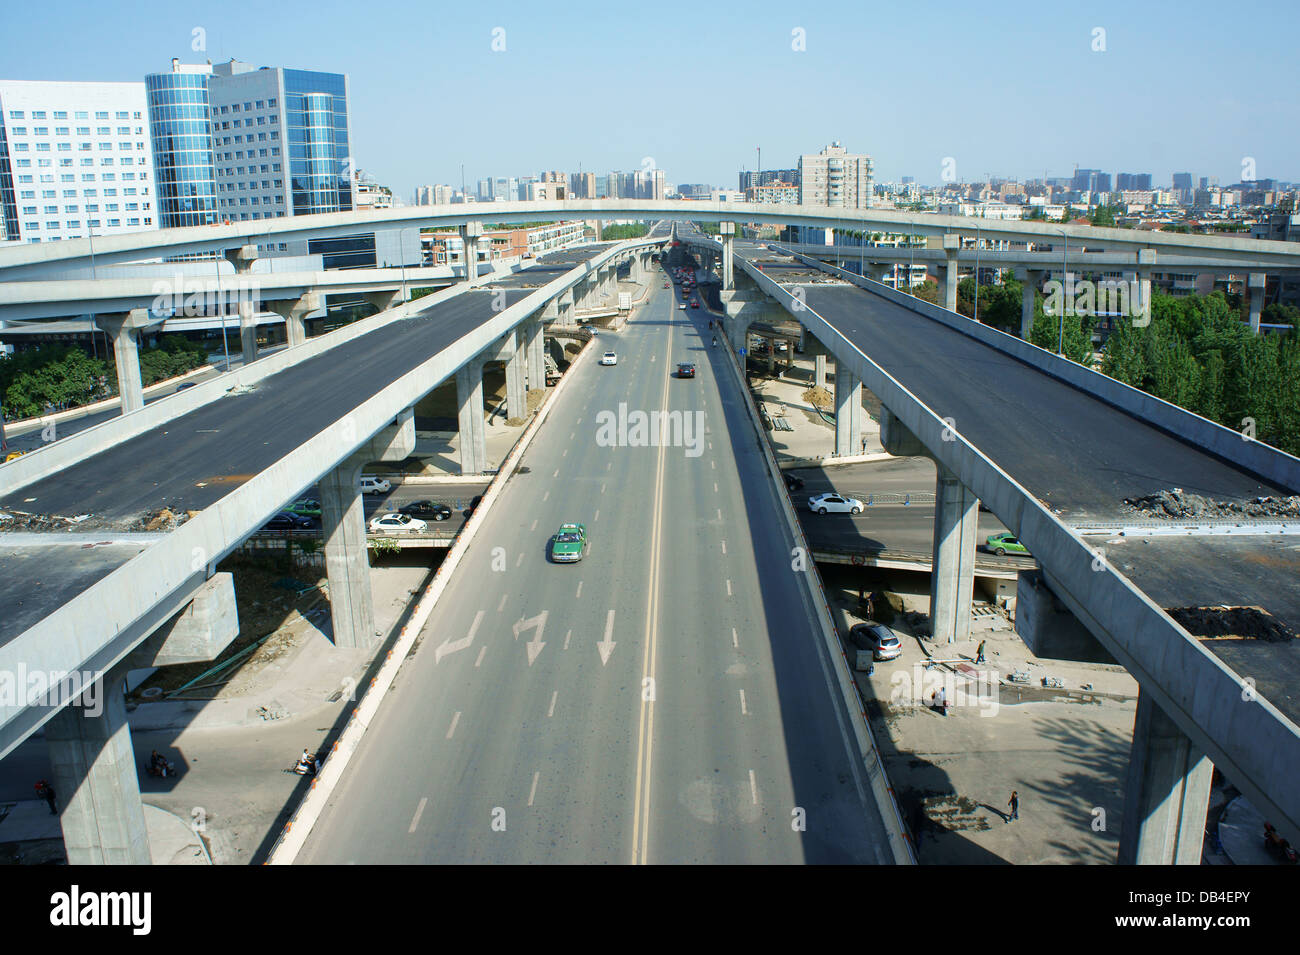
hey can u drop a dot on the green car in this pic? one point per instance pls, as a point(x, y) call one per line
point(1003, 544)
point(569, 543)
point(305, 508)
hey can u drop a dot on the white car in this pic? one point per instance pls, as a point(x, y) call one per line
point(832, 503)
point(397, 524)
point(375, 485)
point(682, 306)
point(609, 358)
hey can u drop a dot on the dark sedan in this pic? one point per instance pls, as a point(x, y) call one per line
point(426, 509)
point(288, 521)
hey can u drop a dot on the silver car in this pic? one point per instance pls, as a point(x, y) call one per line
point(832, 503)
point(875, 639)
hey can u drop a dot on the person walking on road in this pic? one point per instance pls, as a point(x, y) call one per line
point(45, 791)
point(979, 653)
point(1014, 803)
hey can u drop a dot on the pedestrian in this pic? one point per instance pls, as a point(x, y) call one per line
point(45, 791)
point(979, 652)
point(864, 444)
point(1014, 803)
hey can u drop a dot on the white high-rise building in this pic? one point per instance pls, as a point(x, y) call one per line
point(76, 160)
point(835, 177)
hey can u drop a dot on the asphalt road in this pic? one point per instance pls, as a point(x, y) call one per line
point(1074, 452)
point(517, 730)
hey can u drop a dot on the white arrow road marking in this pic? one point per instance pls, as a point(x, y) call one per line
point(606, 646)
point(451, 646)
point(419, 811)
point(535, 645)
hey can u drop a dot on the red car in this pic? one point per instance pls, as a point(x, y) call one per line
point(695, 304)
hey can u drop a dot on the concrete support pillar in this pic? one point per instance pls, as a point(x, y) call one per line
point(956, 527)
point(126, 354)
point(771, 355)
point(516, 399)
point(728, 235)
point(634, 269)
point(848, 411)
point(242, 258)
point(951, 246)
point(294, 311)
point(878, 271)
point(565, 303)
point(819, 370)
point(247, 331)
point(469, 393)
point(600, 230)
point(534, 345)
point(1255, 288)
point(1028, 294)
point(1141, 309)
point(470, 233)
point(95, 778)
point(384, 300)
point(343, 529)
point(897, 439)
point(1167, 792)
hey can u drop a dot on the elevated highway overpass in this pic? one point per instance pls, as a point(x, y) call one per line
point(1050, 446)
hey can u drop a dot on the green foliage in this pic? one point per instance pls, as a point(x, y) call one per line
point(1072, 334)
point(55, 377)
point(999, 304)
point(617, 233)
point(1198, 354)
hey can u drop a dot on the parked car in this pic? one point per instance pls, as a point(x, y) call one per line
point(306, 507)
point(832, 503)
point(1003, 544)
point(393, 523)
point(793, 481)
point(374, 485)
point(609, 358)
point(686, 370)
point(874, 639)
point(569, 543)
point(288, 521)
point(439, 512)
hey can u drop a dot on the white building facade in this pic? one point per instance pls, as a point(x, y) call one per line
point(76, 161)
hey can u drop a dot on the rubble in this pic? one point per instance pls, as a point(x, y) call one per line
point(1230, 623)
point(1177, 504)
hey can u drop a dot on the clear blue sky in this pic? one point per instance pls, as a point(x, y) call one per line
point(1008, 88)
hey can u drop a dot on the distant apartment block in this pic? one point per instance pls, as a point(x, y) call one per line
point(835, 177)
point(446, 248)
point(75, 159)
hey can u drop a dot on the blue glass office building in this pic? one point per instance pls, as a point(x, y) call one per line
point(316, 131)
point(180, 122)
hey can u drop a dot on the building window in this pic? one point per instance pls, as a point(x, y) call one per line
point(16, 114)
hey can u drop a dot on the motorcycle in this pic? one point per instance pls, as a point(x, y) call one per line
point(162, 769)
point(307, 765)
point(715, 343)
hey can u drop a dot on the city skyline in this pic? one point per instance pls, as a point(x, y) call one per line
point(1101, 82)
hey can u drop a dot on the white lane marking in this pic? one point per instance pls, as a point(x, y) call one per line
point(597, 517)
point(712, 466)
point(578, 595)
point(606, 646)
point(502, 605)
point(571, 435)
point(451, 730)
point(753, 788)
point(451, 646)
point(743, 709)
point(546, 495)
point(735, 641)
point(724, 547)
point(564, 455)
point(710, 445)
point(609, 465)
point(481, 651)
point(534, 527)
point(602, 487)
point(728, 587)
point(715, 487)
point(556, 474)
point(579, 421)
point(551, 710)
point(566, 639)
point(520, 560)
point(533, 792)
point(719, 513)
point(419, 811)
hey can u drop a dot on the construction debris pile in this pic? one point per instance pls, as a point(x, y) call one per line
point(1231, 623)
point(1178, 504)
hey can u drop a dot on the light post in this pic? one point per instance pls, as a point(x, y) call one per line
point(977, 271)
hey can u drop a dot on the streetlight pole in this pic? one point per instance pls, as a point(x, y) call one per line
point(977, 271)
